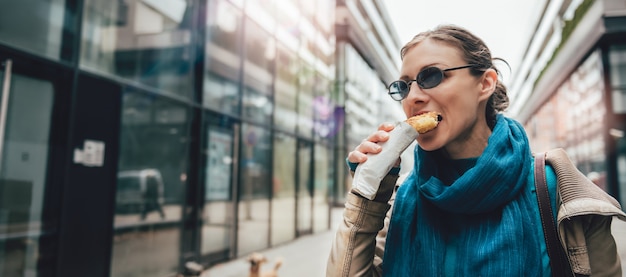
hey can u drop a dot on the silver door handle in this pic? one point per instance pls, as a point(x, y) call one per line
point(4, 104)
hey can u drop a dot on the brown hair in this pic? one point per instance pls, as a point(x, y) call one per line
point(475, 52)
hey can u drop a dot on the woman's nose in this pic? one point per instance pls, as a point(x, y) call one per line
point(415, 92)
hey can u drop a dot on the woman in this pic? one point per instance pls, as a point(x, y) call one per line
point(468, 207)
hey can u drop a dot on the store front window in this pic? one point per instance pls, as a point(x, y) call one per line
point(254, 190)
point(24, 156)
point(304, 189)
point(617, 59)
point(220, 150)
point(306, 95)
point(147, 41)
point(283, 183)
point(223, 58)
point(321, 185)
point(574, 119)
point(150, 187)
point(258, 74)
point(285, 115)
point(37, 26)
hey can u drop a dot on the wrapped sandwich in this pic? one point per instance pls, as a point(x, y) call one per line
point(369, 174)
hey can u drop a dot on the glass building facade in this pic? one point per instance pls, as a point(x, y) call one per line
point(137, 135)
point(569, 92)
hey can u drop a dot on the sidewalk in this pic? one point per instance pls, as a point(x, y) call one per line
point(304, 257)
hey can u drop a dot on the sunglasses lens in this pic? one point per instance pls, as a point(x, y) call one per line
point(429, 77)
point(398, 90)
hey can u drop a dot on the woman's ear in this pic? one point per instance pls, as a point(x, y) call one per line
point(488, 83)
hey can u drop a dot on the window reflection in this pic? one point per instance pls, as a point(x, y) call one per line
point(327, 115)
point(262, 12)
point(304, 189)
point(148, 41)
point(324, 14)
point(286, 89)
point(617, 57)
point(255, 189)
point(151, 179)
point(287, 31)
point(223, 59)
point(321, 184)
point(283, 182)
point(570, 119)
point(361, 83)
point(306, 79)
point(23, 184)
point(258, 73)
point(41, 34)
point(219, 148)
point(617, 60)
point(308, 8)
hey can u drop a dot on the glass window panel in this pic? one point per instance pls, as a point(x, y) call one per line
point(148, 41)
point(306, 78)
point(258, 73)
point(325, 14)
point(35, 26)
point(323, 181)
point(326, 55)
point(578, 102)
point(223, 57)
point(287, 17)
point(284, 202)
point(286, 88)
point(218, 213)
point(253, 232)
point(151, 182)
point(587, 83)
point(308, 8)
point(23, 175)
point(238, 3)
point(327, 115)
point(304, 193)
point(262, 12)
point(617, 59)
point(572, 118)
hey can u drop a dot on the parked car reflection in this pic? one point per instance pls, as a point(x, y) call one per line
point(140, 191)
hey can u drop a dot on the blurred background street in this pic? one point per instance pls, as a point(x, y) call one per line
point(141, 136)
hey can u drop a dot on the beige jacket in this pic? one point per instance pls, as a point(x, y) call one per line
point(584, 223)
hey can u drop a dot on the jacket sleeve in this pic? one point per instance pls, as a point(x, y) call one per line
point(591, 247)
point(585, 215)
point(359, 244)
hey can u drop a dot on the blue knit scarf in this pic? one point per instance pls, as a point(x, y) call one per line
point(480, 225)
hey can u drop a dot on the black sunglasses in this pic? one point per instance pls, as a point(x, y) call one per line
point(429, 77)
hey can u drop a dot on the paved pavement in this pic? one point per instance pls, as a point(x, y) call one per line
point(306, 257)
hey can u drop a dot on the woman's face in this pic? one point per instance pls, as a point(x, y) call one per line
point(460, 98)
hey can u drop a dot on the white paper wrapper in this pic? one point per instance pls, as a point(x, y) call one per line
point(369, 174)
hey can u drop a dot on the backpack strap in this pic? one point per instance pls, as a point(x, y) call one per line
point(558, 260)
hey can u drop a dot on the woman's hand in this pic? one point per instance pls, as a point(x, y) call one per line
point(370, 145)
point(368, 182)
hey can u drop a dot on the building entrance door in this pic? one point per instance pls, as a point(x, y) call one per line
point(220, 160)
point(33, 121)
